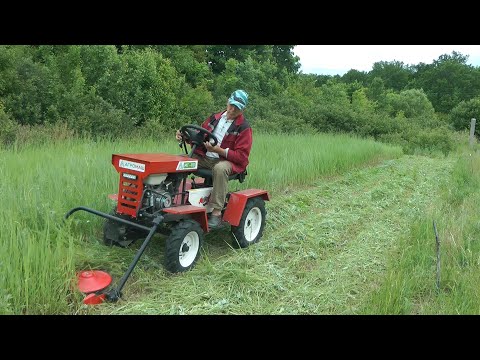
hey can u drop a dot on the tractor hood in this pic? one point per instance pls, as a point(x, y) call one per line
point(146, 164)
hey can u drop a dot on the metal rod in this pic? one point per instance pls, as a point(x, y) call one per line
point(116, 293)
point(107, 216)
point(437, 240)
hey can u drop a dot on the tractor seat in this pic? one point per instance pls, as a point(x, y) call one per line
point(207, 175)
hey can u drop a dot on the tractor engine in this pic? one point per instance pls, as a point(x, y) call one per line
point(159, 191)
point(157, 197)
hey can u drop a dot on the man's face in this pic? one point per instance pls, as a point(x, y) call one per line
point(232, 111)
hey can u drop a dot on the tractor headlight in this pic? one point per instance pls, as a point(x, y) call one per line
point(130, 176)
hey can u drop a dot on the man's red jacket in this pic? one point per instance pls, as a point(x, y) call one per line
point(238, 140)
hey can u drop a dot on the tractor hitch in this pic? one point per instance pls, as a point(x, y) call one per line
point(106, 216)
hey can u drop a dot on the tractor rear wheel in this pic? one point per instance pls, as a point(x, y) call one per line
point(183, 246)
point(250, 229)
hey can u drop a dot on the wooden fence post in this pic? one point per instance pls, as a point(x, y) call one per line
point(472, 131)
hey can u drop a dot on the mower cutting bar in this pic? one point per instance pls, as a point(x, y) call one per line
point(115, 293)
point(107, 216)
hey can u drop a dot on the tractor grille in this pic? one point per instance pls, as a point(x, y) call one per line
point(129, 196)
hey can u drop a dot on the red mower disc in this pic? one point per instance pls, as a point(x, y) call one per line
point(92, 299)
point(93, 280)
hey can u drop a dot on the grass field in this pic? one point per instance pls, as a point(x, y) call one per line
point(348, 231)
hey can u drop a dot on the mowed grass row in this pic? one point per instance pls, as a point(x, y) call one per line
point(322, 252)
point(41, 254)
point(410, 283)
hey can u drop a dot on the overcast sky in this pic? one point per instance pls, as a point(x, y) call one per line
point(338, 59)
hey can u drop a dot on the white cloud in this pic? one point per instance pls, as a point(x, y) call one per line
point(338, 59)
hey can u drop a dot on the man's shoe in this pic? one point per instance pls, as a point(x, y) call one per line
point(214, 221)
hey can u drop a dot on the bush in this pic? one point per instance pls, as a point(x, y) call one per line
point(462, 114)
point(39, 135)
point(377, 125)
point(332, 117)
point(278, 124)
point(8, 127)
point(413, 103)
point(195, 105)
point(415, 140)
point(95, 116)
point(155, 129)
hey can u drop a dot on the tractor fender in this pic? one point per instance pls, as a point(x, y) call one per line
point(237, 201)
point(197, 213)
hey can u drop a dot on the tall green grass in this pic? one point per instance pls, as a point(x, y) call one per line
point(410, 284)
point(39, 255)
point(281, 161)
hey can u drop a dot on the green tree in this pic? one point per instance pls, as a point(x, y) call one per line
point(190, 61)
point(320, 79)
point(285, 59)
point(145, 85)
point(97, 60)
point(282, 55)
point(30, 90)
point(395, 74)
point(376, 91)
point(360, 101)
point(448, 81)
point(352, 76)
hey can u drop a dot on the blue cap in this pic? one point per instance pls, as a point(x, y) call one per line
point(239, 98)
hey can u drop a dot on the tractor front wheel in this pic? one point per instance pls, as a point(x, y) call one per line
point(250, 229)
point(183, 246)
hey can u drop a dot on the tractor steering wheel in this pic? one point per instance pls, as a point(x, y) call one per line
point(194, 134)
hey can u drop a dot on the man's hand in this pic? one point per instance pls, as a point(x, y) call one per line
point(211, 148)
point(216, 149)
point(178, 135)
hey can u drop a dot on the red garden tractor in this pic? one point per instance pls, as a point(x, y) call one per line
point(169, 194)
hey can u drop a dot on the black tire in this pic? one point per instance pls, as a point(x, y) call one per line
point(251, 226)
point(183, 246)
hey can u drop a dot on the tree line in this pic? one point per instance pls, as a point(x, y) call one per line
point(119, 90)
